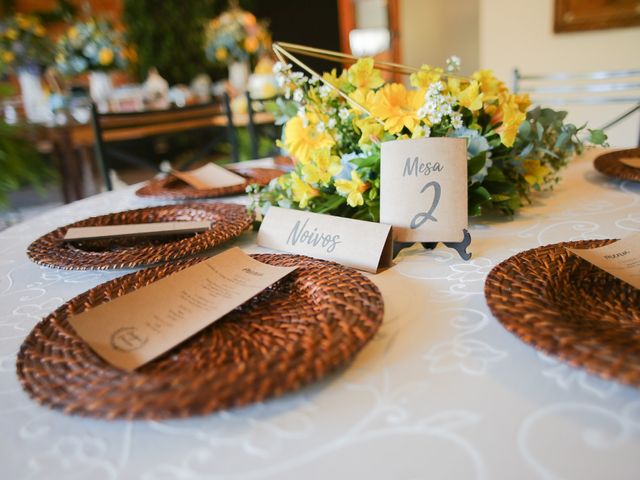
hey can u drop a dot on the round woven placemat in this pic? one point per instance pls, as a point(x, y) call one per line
point(609, 164)
point(173, 188)
point(569, 308)
point(228, 221)
point(293, 333)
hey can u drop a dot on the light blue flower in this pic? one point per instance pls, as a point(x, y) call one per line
point(476, 144)
point(347, 166)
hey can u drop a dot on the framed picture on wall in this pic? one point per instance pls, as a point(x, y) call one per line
point(578, 15)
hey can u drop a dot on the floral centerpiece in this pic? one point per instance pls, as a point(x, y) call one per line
point(25, 49)
point(23, 44)
point(236, 39)
point(512, 150)
point(89, 46)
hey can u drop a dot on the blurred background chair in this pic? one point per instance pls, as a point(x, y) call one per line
point(609, 99)
point(142, 139)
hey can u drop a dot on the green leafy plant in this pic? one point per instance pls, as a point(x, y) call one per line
point(20, 163)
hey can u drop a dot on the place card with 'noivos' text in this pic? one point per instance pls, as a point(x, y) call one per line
point(210, 176)
point(136, 230)
point(355, 243)
point(135, 328)
point(633, 162)
point(423, 189)
point(621, 259)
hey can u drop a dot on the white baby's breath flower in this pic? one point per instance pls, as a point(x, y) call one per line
point(298, 95)
point(320, 127)
point(331, 123)
point(343, 113)
point(453, 63)
point(456, 120)
point(427, 131)
point(287, 93)
point(324, 91)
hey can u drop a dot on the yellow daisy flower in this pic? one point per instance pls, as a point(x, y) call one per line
point(8, 57)
point(471, 97)
point(322, 168)
point(302, 191)
point(251, 44)
point(221, 54)
point(11, 34)
point(370, 129)
point(363, 76)
point(353, 189)
point(105, 56)
point(425, 76)
point(489, 84)
point(301, 141)
point(397, 107)
point(512, 117)
point(535, 173)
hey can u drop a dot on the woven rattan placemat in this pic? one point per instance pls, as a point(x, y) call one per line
point(609, 164)
point(172, 188)
point(293, 333)
point(228, 221)
point(569, 308)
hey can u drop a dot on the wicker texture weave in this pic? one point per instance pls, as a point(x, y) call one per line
point(569, 308)
point(293, 333)
point(609, 164)
point(173, 188)
point(228, 221)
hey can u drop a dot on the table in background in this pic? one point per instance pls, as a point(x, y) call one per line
point(442, 391)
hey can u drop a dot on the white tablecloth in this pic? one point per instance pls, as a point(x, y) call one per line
point(442, 391)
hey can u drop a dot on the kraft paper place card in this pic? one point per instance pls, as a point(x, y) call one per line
point(621, 259)
point(131, 330)
point(633, 162)
point(210, 176)
point(363, 245)
point(136, 230)
point(423, 189)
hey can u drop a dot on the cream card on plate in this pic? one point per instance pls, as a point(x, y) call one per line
point(136, 230)
point(139, 326)
point(355, 243)
point(621, 259)
point(210, 176)
point(423, 189)
point(633, 162)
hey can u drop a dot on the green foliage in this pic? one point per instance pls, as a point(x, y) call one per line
point(168, 35)
point(20, 163)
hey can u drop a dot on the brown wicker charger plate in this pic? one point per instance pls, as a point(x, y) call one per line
point(569, 308)
point(228, 221)
point(173, 188)
point(293, 333)
point(610, 164)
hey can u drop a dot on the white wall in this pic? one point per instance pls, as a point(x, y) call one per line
point(433, 30)
point(519, 33)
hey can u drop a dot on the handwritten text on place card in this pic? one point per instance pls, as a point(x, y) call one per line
point(423, 189)
point(139, 326)
point(210, 176)
point(136, 229)
point(621, 259)
point(355, 243)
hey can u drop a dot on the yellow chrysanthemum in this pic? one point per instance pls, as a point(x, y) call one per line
point(353, 189)
point(341, 82)
point(11, 34)
point(302, 191)
point(523, 101)
point(512, 117)
point(251, 44)
point(364, 98)
point(425, 76)
point(322, 168)
point(489, 84)
point(535, 173)
point(221, 54)
point(371, 130)
point(363, 76)
point(39, 30)
point(8, 57)
point(105, 56)
point(471, 97)
point(397, 106)
point(301, 141)
point(23, 21)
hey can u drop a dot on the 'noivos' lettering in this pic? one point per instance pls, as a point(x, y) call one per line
point(300, 234)
point(416, 167)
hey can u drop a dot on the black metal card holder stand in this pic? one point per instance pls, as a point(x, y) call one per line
point(460, 247)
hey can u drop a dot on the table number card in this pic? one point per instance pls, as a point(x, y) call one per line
point(139, 326)
point(621, 259)
point(210, 176)
point(423, 189)
point(362, 245)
